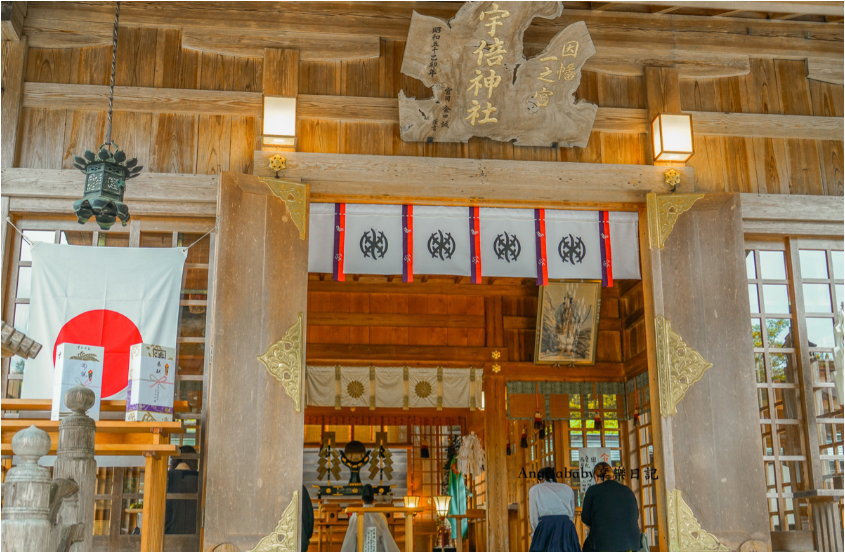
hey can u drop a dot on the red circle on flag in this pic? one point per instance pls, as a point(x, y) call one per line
point(106, 329)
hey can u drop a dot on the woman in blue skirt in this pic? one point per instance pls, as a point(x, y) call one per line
point(551, 506)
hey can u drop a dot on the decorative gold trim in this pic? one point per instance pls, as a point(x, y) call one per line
point(283, 538)
point(405, 386)
point(678, 366)
point(672, 178)
point(284, 361)
point(293, 194)
point(685, 533)
point(663, 212)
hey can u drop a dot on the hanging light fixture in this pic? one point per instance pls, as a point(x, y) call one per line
point(106, 171)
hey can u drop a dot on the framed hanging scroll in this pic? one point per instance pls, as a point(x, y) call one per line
point(567, 323)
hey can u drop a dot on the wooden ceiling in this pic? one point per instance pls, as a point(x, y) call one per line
point(796, 11)
point(446, 321)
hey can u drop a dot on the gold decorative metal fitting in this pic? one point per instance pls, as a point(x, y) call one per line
point(496, 367)
point(283, 361)
point(672, 178)
point(283, 538)
point(293, 194)
point(496, 354)
point(663, 211)
point(678, 366)
point(685, 533)
point(277, 163)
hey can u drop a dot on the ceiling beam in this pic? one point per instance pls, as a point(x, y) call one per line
point(457, 181)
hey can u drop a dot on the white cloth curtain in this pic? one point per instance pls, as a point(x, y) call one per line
point(343, 386)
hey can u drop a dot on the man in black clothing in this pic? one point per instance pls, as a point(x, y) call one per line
point(180, 515)
point(610, 510)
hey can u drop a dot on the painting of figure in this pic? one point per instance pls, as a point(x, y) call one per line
point(567, 323)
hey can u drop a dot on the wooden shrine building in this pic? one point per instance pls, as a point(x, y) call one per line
point(379, 199)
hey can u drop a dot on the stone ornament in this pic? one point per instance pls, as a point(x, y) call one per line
point(685, 533)
point(283, 361)
point(283, 538)
point(483, 85)
point(678, 366)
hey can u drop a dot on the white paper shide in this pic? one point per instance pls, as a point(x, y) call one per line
point(77, 365)
point(152, 375)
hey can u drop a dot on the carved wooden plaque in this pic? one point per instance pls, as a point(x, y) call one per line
point(484, 86)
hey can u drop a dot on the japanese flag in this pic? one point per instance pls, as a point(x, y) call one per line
point(108, 297)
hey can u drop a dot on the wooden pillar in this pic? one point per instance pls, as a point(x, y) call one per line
point(663, 95)
point(155, 494)
point(255, 410)
point(495, 434)
point(75, 458)
point(706, 451)
point(281, 78)
point(13, 66)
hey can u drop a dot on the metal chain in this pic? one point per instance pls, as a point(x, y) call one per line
point(113, 65)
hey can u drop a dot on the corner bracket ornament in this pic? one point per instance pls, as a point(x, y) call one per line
point(293, 194)
point(685, 533)
point(678, 366)
point(283, 537)
point(663, 212)
point(284, 361)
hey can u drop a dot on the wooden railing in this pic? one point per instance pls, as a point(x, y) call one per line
point(113, 437)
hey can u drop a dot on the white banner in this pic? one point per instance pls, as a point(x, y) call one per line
point(508, 246)
point(108, 297)
point(373, 239)
point(441, 240)
point(588, 458)
point(373, 242)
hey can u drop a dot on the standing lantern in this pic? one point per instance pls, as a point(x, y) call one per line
point(107, 171)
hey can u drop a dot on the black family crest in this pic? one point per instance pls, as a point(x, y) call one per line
point(507, 247)
point(441, 245)
point(373, 244)
point(571, 249)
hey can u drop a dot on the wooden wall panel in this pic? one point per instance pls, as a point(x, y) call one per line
point(173, 143)
point(827, 100)
point(41, 138)
point(84, 130)
point(769, 153)
point(153, 57)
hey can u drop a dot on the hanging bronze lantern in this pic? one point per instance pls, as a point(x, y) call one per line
point(106, 173)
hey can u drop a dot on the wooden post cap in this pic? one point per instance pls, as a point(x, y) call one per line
point(79, 399)
point(31, 444)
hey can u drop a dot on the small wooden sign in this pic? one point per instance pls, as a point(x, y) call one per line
point(484, 86)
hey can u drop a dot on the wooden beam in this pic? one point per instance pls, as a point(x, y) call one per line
point(804, 8)
point(798, 215)
point(312, 47)
point(625, 42)
point(386, 110)
point(13, 67)
point(151, 194)
point(12, 16)
point(395, 320)
point(337, 353)
point(600, 372)
point(397, 178)
point(434, 286)
point(825, 70)
point(143, 99)
point(67, 183)
point(753, 125)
